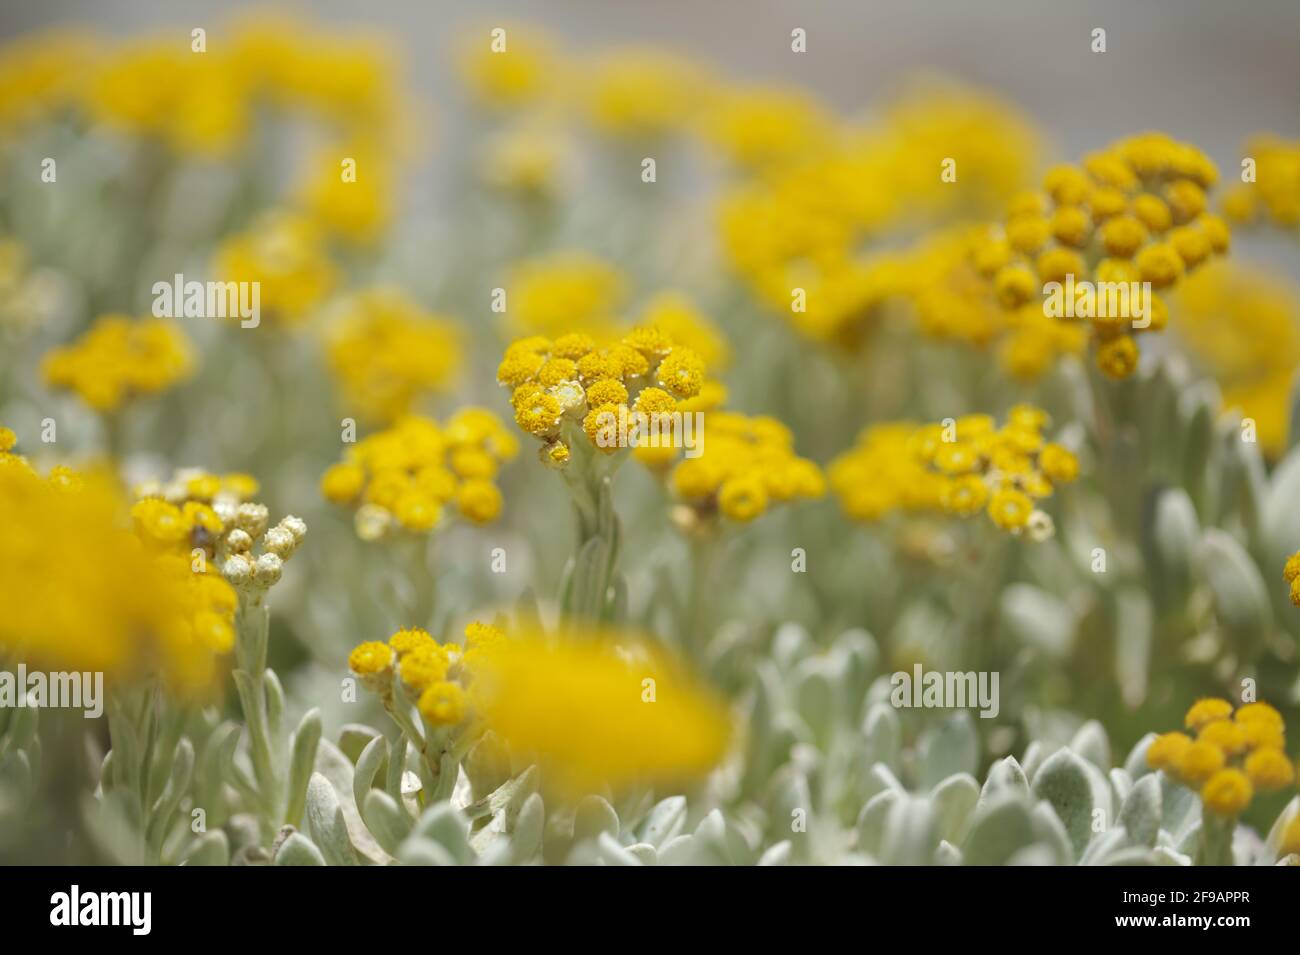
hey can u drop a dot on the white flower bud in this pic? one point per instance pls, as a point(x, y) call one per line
point(239, 542)
point(280, 542)
point(267, 570)
point(238, 570)
point(295, 526)
point(252, 518)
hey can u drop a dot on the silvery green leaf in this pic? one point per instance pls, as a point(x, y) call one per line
point(858, 659)
point(592, 817)
point(337, 770)
point(1136, 763)
point(1131, 856)
point(1241, 600)
point(1091, 743)
point(1141, 812)
point(1035, 855)
point(1034, 755)
point(508, 797)
point(1281, 516)
point(790, 644)
point(879, 778)
point(1135, 620)
point(324, 814)
point(814, 696)
point(274, 704)
point(447, 827)
point(1163, 855)
point(1005, 776)
point(354, 738)
point(1036, 618)
point(947, 854)
point(952, 747)
point(1172, 536)
point(1120, 784)
point(418, 851)
point(1000, 828)
point(302, 758)
point(611, 852)
point(1272, 848)
point(644, 853)
point(369, 763)
point(210, 849)
point(679, 850)
point(1180, 808)
point(299, 850)
point(388, 823)
point(526, 839)
point(872, 819)
point(1106, 844)
point(911, 833)
point(178, 784)
point(1198, 409)
point(1064, 783)
point(497, 853)
point(883, 736)
point(954, 801)
point(665, 822)
point(1051, 834)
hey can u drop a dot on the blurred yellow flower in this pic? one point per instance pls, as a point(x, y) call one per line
point(388, 353)
point(118, 360)
point(600, 709)
point(285, 254)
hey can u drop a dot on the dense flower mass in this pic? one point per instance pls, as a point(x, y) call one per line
point(1135, 212)
point(959, 467)
point(1232, 756)
point(708, 297)
point(388, 353)
point(119, 360)
point(572, 386)
point(402, 479)
point(83, 592)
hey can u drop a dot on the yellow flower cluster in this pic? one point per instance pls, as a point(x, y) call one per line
point(196, 510)
point(286, 255)
point(564, 291)
point(1291, 573)
point(205, 103)
point(952, 301)
point(433, 675)
point(119, 359)
point(592, 387)
point(748, 465)
point(1232, 756)
point(803, 225)
point(513, 69)
point(388, 353)
point(400, 479)
point(41, 74)
point(1243, 325)
point(1134, 212)
point(1275, 193)
point(599, 709)
point(959, 468)
point(82, 592)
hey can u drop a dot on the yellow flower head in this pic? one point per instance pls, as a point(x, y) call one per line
point(1198, 762)
point(400, 479)
point(1167, 749)
point(118, 360)
point(1269, 769)
point(388, 353)
point(1206, 711)
point(443, 703)
point(1227, 792)
point(605, 710)
point(371, 658)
